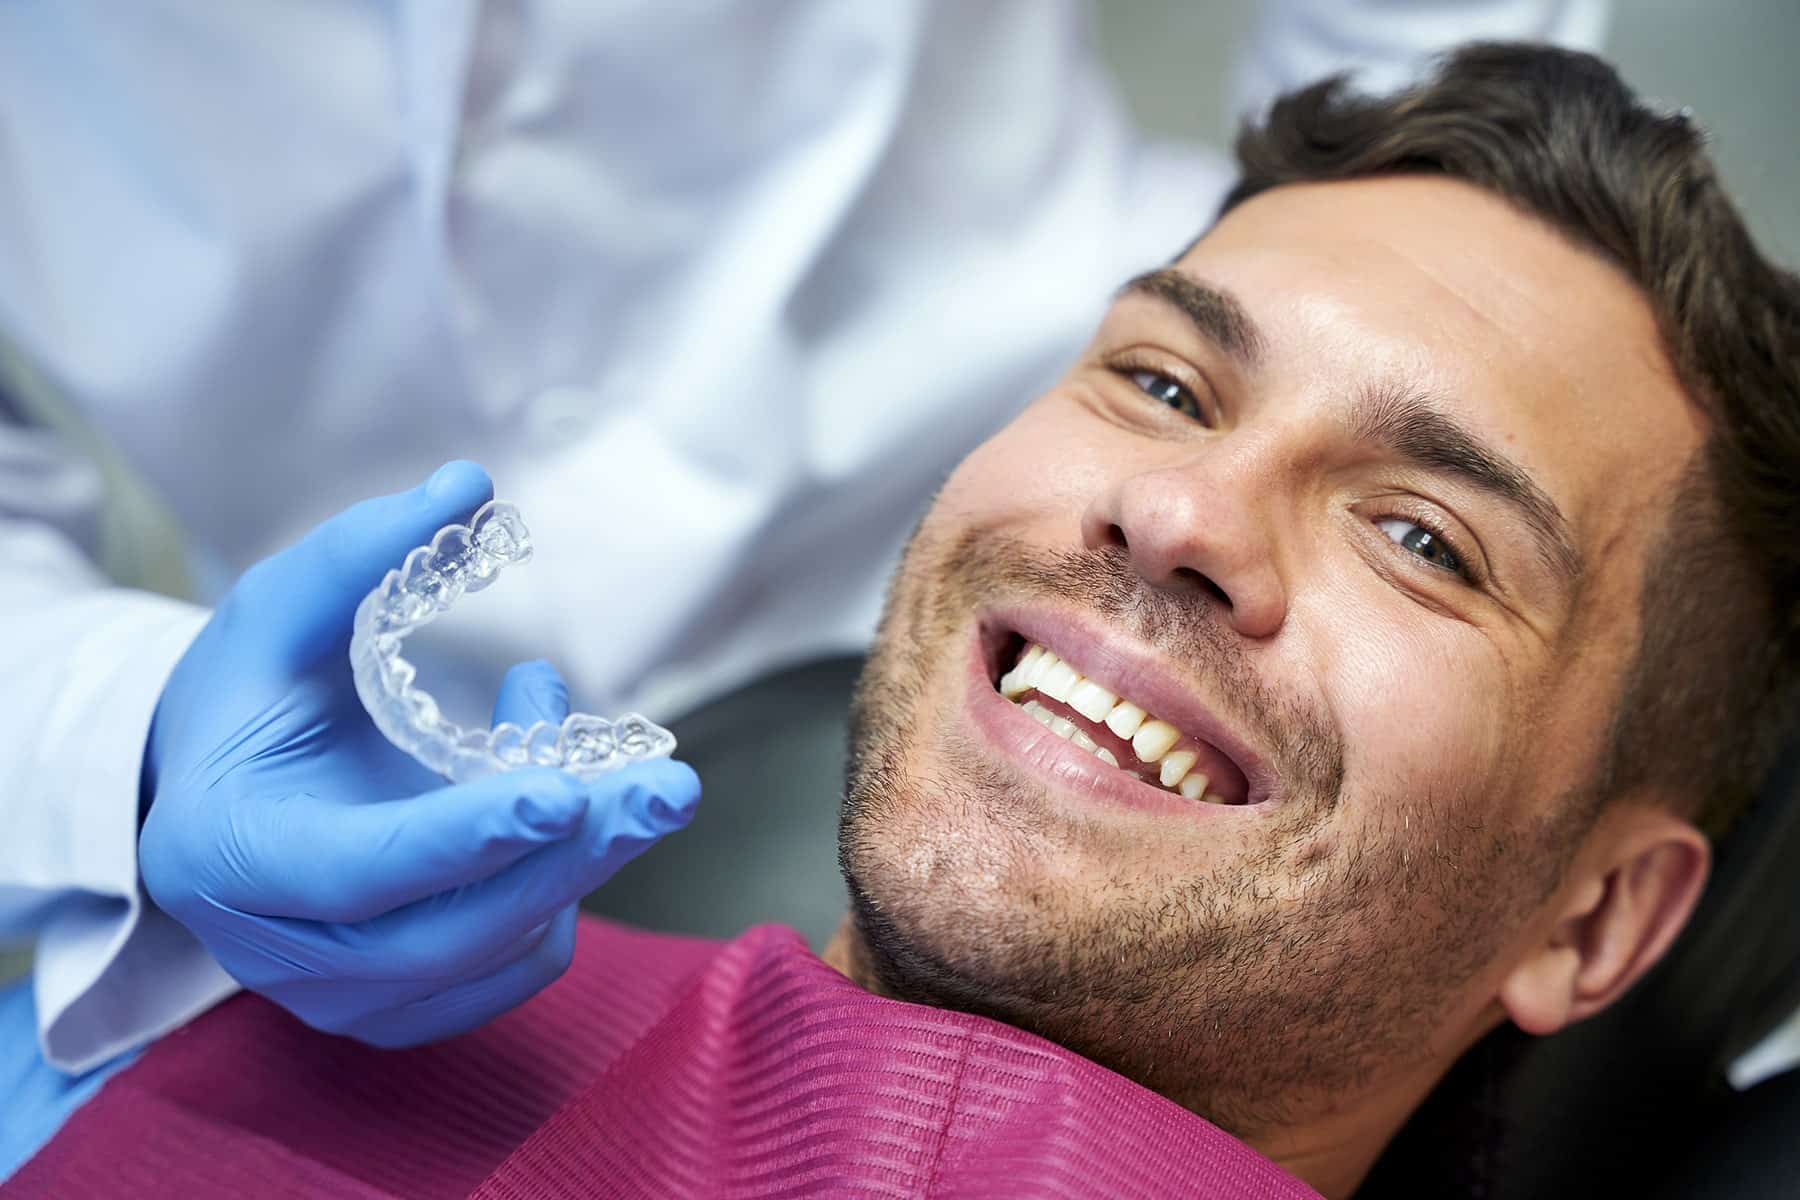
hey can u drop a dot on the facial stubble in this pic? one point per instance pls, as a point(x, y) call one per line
point(1251, 993)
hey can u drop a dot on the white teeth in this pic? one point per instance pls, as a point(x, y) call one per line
point(1069, 731)
point(1176, 766)
point(1125, 718)
point(1024, 675)
point(1091, 700)
point(1153, 740)
point(1058, 681)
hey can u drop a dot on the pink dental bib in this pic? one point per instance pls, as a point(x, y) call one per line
point(656, 1067)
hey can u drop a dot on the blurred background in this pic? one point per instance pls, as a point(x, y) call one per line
point(1731, 61)
point(764, 845)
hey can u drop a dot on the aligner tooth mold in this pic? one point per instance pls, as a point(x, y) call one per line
point(467, 558)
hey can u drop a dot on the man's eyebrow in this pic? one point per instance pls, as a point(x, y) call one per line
point(1214, 312)
point(1403, 423)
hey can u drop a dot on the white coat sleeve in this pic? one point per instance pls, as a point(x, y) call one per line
point(83, 664)
point(1388, 43)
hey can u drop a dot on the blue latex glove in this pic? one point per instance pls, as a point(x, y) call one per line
point(326, 869)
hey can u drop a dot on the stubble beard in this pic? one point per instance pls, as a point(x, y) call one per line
point(1254, 994)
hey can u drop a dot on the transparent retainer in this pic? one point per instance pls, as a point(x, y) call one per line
point(467, 558)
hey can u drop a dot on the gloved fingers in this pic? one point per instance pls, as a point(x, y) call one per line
point(450, 934)
point(532, 692)
point(309, 858)
point(302, 600)
point(464, 1006)
point(299, 965)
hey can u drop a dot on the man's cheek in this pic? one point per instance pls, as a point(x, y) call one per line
point(1044, 464)
point(1418, 717)
point(989, 483)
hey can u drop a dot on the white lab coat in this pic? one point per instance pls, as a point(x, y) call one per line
point(717, 292)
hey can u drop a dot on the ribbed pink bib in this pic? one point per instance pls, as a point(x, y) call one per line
point(656, 1067)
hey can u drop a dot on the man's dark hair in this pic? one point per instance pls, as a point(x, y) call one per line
point(1711, 693)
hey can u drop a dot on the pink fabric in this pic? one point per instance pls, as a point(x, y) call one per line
point(657, 1067)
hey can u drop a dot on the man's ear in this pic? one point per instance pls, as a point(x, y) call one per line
point(1616, 914)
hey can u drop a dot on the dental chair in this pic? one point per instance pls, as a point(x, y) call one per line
point(1631, 1102)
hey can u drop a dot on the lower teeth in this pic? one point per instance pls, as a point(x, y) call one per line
point(1071, 732)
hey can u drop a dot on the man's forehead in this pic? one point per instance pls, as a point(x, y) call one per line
point(1444, 289)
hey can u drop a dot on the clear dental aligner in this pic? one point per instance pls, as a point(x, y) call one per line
point(467, 558)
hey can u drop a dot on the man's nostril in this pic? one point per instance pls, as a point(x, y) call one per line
point(1203, 583)
point(1116, 537)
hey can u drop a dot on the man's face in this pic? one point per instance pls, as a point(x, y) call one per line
point(1356, 499)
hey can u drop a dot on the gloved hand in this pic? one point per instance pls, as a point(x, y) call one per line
point(326, 869)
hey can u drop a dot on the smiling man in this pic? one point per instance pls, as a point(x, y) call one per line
point(1345, 657)
point(1354, 652)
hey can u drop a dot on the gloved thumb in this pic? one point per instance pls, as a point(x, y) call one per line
point(305, 597)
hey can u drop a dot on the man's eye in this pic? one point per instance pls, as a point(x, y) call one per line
point(1162, 388)
point(1427, 544)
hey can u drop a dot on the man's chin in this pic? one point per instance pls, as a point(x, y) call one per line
point(879, 955)
point(940, 860)
point(894, 951)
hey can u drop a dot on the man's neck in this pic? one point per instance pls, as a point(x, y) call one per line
point(1334, 1152)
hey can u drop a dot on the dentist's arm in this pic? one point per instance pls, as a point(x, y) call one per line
point(82, 663)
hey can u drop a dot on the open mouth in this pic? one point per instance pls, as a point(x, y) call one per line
point(1116, 729)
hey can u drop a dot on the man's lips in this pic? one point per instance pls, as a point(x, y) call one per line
point(1200, 745)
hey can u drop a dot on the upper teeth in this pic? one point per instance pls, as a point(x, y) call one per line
point(1152, 740)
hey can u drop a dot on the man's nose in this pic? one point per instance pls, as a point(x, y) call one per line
point(1189, 529)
